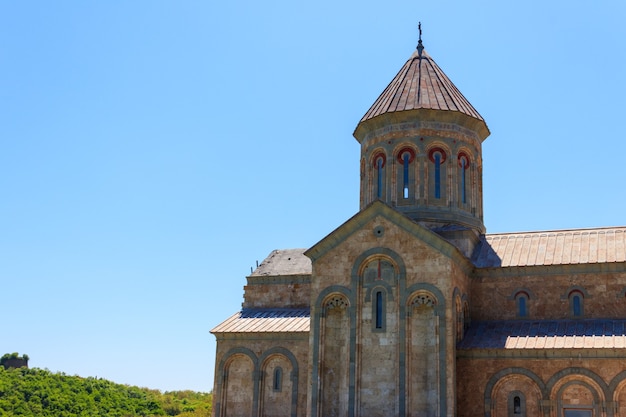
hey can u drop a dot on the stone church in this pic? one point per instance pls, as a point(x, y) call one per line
point(410, 309)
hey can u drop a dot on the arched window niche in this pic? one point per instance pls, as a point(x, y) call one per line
point(516, 404)
point(576, 305)
point(575, 296)
point(405, 174)
point(464, 177)
point(521, 303)
point(522, 297)
point(379, 309)
point(379, 276)
point(437, 174)
point(379, 161)
point(423, 349)
point(278, 379)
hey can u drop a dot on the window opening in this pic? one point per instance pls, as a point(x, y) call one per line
point(405, 187)
point(379, 309)
point(278, 379)
point(379, 164)
point(521, 303)
point(405, 157)
point(437, 175)
point(464, 164)
point(577, 305)
point(517, 405)
point(437, 156)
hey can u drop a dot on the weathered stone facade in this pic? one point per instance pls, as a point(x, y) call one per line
point(410, 309)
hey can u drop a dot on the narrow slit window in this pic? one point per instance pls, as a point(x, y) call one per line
point(437, 175)
point(517, 404)
point(379, 165)
point(521, 299)
point(463, 165)
point(577, 304)
point(437, 156)
point(405, 176)
point(278, 379)
point(522, 306)
point(379, 309)
point(405, 157)
point(379, 177)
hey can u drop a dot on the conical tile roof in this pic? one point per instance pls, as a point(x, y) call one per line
point(421, 84)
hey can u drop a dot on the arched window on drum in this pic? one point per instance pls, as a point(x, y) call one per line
point(378, 167)
point(464, 177)
point(406, 175)
point(437, 157)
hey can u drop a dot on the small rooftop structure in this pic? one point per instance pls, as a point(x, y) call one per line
point(284, 262)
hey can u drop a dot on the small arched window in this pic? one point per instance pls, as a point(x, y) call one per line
point(379, 309)
point(437, 156)
point(278, 379)
point(379, 165)
point(521, 302)
point(576, 303)
point(464, 164)
point(405, 158)
point(517, 404)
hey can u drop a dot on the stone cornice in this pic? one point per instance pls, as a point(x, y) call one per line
point(446, 129)
point(581, 353)
point(295, 336)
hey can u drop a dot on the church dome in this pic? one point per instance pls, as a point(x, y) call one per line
point(421, 149)
point(420, 87)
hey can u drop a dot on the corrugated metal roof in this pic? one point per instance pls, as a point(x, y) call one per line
point(560, 247)
point(284, 262)
point(266, 321)
point(421, 84)
point(546, 334)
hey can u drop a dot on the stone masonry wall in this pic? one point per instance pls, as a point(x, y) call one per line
point(603, 293)
point(484, 385)
point(258, 355)
point(277, 292)
point(427, 269)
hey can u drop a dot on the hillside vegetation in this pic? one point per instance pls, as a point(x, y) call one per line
point(39, 392)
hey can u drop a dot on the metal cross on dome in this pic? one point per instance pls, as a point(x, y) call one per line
point(420, 47)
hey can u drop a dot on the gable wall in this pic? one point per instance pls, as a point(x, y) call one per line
point(423, 268)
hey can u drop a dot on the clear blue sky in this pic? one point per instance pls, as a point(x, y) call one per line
point(152, 151)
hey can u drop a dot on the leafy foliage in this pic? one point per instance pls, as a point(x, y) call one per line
point(13, 355)
point(39, 392)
